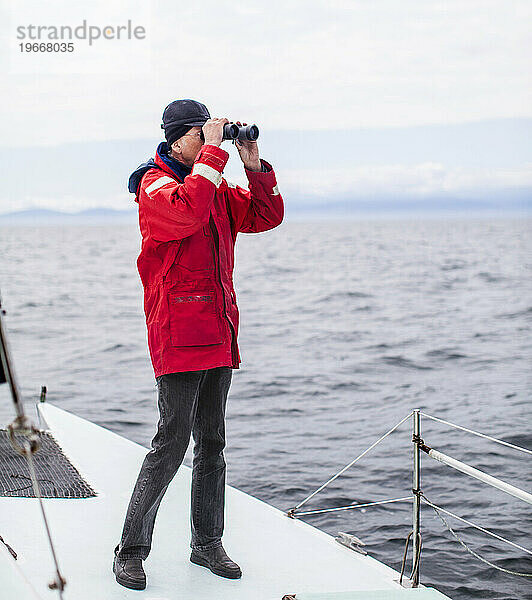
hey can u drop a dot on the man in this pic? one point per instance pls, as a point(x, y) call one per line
point(189, 217)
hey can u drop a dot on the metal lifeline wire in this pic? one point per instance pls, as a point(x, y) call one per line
point(351, 463)
point(30, 445)
point(438, 510)
point(482, 435)
point(60, 581)
point(350, 506)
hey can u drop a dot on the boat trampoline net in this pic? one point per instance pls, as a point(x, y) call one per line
point(57, 476)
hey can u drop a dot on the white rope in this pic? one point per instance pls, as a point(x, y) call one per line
point(437, 509)
point(482, 435)
point(353, 462)
point(486, 531)
point(325, 510)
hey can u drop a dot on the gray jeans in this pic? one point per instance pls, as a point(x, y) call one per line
point(193, 401)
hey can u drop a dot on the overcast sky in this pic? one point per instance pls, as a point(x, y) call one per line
point(293, 66)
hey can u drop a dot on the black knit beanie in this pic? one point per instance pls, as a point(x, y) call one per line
point(180, 116)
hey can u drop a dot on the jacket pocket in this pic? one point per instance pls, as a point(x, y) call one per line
point(193, 317)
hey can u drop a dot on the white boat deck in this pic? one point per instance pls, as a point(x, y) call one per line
point(277, 555)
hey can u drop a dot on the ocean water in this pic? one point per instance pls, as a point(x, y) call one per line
point(345, 328)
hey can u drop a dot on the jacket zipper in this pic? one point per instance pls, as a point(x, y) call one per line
point(218, 269)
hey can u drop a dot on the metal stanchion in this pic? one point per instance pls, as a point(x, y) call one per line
point(416, 537)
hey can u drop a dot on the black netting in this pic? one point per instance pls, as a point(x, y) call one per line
point(56, 475)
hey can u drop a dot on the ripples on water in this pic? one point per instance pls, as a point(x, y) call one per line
point(346, 327)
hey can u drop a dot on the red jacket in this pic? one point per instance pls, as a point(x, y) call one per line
point(188, 231)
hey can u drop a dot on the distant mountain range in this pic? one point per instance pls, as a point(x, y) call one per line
point(91, 216)
point(470, 166)
point(298, 208)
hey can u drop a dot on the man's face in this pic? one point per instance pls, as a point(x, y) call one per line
point(189, 145)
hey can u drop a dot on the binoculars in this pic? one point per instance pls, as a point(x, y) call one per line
point(240, 132)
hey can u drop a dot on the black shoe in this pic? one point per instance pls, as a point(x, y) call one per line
point(217, 561)
point(129, 572)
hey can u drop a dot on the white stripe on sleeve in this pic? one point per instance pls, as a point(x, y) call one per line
point(158, 183)
point(275, 191)
point(207, 172)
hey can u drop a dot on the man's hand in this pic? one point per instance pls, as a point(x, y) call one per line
point(249, 153)
point(213, 131)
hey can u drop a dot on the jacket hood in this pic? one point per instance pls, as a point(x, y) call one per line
point(138, 173)
point(161, 158)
